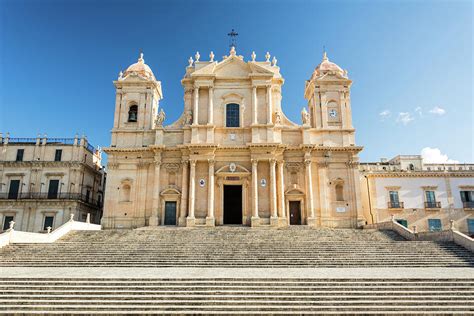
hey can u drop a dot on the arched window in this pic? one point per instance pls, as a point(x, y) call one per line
point(132, 113)
point(125, 193)
point(339, 192)
point(232, 115)
point(411, 167)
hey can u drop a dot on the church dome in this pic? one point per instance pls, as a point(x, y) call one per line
point(327, 66)
point(140, 68)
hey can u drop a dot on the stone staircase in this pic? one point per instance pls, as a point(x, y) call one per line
point(236, 296)
point(236, 270)
point(237, 247)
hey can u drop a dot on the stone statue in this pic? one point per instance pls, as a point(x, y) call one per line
point(160, 118)
point(277, 117)
point(188, 120)
point(305, 117)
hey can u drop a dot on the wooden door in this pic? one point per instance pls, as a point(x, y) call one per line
point(295, 213)
point(170, 213)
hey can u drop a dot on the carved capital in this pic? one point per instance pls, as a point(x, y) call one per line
point(254, 161)
point(193, 162)
point(211, 162)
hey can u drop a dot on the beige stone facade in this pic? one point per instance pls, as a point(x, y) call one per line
point(428, 196)
point(43, 181)
point(233, 157)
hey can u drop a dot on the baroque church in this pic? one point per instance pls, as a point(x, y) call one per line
point(233, 157)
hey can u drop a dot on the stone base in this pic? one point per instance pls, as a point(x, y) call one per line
point(255, 221)
point(182, 222)
point(282, 222)
point(312, 221)
point(210, 221)
point(274, 221)
point(153, 221)
point(190, 221)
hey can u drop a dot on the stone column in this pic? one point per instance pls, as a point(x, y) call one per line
point(311, 221)
point(192, 184)
point(184, 193)
point(210, 110)
point(255, 220)
point(210, 220)
point(196, 106)
point(254, 105)
point(154, 219)
point(269, 104)
point(282, 214)
point(273, 194)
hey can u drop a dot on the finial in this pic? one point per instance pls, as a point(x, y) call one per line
point(141, 57)
point(325, 56)
point(253, 56)
point(232, 51)
point(274, 61)
point(211, 56)
point(232, 38)
point(267, 57)
point(190, 61)
point(197, 56)
point(120, 74)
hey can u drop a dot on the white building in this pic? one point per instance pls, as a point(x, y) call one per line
point(43, 181)
point(427, 196)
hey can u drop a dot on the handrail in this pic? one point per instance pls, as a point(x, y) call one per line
point(51, 196)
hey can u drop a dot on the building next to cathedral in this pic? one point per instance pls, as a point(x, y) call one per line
point(44, 181)
point(233, 157)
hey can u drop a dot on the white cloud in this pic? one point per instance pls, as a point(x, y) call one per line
point(434, 155)
point(438, 111)
point(385, 114)
point(419, 111)
point(405, 118)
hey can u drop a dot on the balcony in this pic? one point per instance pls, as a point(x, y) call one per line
point(432, 205)
point(52, 196)
point(468, 205)
point(395, 205)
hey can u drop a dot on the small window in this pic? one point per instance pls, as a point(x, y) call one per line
point(19, 154)
point(339, 192)
point(430, 197)
point(402, 222)
point(232, 115)
point(6, 222)
point(434, 224)
point(14, 189)
point(58, 154)
point(467, 196)
point(133, 113)
point(88, 194)
point(470, 226)
point(48, 222)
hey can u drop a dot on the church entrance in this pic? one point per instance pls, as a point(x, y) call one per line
point(170, 213)
point(232, 204)
point(295, 213)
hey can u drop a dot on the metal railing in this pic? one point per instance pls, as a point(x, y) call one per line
point(468, 204)
point(395, 205)
point(51, 196)
point(22, 140)
point(432, 205)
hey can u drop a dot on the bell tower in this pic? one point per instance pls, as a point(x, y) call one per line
point(328, 95)
point(138, 94)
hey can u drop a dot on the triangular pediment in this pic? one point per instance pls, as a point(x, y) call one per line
point(232, 67)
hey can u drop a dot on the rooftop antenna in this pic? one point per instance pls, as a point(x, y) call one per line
point(232, 38)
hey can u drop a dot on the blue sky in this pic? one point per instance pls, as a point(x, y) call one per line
point(411, 62)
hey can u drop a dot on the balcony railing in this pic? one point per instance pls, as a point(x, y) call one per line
point(468, 204)
point(51, 196)
point(432, 205)
point(395, 205)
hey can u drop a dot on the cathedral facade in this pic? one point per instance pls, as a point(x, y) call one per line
point(233, 157)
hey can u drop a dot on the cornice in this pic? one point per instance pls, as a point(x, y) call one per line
point(314, 147)
point(395, 174)
point(126, 149)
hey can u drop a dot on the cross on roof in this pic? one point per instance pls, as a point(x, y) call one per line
point(232, 36)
